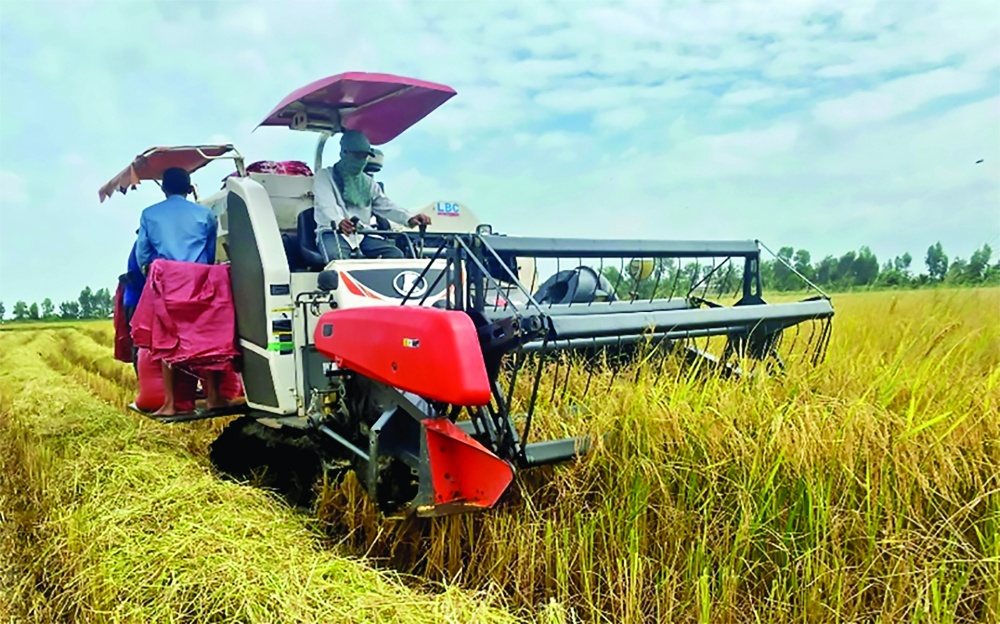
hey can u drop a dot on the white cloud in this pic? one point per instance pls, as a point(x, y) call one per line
point(412, 189)
point(623, 118)
point(246, 20)
point(746, 148)
point(897, 97)
point(556, 140)
point(49, 64)
point(531, 73)
point(13, 191)
point(590, 98)
point(741, 95)
point(809, 123)
point(392, 152)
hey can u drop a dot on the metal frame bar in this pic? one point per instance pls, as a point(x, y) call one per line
point(587, 248)
point(230, 154)
point(636, 323)
point(476, 263)
point(622, 323)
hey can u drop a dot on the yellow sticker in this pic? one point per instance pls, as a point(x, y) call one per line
point(411, 343)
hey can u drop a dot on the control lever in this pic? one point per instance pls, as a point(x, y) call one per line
point(423, 230)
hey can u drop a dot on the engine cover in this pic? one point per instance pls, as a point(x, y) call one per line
point(431, 352)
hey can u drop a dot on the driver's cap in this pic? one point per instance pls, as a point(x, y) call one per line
point(354, 141)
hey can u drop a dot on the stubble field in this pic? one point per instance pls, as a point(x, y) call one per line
point(866, 489)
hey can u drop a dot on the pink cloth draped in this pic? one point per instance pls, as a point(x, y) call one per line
point(186, 316)
point(282, 167)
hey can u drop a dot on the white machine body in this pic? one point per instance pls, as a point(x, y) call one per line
point(278, 304)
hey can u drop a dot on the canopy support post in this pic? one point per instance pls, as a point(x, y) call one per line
point(319, 151)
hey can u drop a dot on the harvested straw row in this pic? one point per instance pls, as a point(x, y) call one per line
point(107, 519)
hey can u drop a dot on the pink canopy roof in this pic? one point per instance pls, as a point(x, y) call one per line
point(381, 106)
point(151, 164)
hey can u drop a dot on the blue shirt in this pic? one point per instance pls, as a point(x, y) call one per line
point(176, 229)
point(136, 281)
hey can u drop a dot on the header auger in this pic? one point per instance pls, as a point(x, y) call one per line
point(426, 375)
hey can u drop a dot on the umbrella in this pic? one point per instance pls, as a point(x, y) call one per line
point(151, 164)
point(381, 106)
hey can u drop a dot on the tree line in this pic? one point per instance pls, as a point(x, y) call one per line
point(859, 270)
point(853, 270)
point(89, 305)
point(862, 269)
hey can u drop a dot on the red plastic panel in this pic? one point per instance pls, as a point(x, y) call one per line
point(431, 352)
point(462, 470)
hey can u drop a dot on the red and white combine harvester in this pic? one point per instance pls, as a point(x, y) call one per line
point(424, 374)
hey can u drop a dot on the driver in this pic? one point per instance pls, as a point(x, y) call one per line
point(344, 191)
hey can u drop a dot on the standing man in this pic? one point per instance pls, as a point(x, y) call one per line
point(180, 230)
point(175, 228)
point(344, 191)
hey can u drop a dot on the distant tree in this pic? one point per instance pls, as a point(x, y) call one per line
point(3, 310)
point(69, 310)
point(86, 303)
point(691, 273)
point(801, 261)
point(844, 271)
point(865, 268)
point(775, 274)
point(825, 270)
point(625, 284)
point(20, 311)
point(891, 278)
point(902, 263)
point(102, 303)
point(937, 262)
point(33, 312)
point(48, 310)
point(957, 272)
point(993, 274)
point(727, 279)
point(978, 265)
point(766, 270)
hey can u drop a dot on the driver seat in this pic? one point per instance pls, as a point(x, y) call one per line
point(305, 228)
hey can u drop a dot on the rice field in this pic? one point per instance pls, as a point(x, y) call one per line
point(864, 490)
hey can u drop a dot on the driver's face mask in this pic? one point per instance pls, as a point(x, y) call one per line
point(353, 163)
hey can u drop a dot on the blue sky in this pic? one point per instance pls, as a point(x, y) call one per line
point(811, 123)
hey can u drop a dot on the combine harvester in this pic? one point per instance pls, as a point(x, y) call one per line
point(424, 375)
